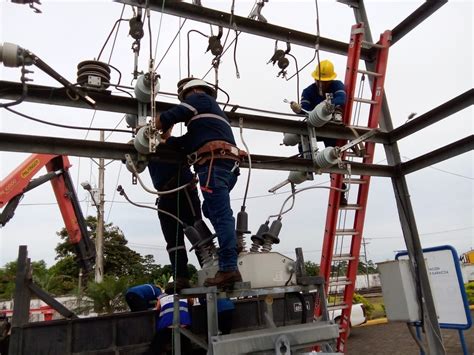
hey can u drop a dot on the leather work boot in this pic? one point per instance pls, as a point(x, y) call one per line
point(224, 279)
point(181, 283)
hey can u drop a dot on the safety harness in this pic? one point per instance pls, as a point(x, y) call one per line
point(217, 149)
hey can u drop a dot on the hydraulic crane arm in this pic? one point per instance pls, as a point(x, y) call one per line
point(19, 181)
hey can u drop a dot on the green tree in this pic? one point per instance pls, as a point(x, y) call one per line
point(107, 296)
point(119, 259)
point(8, 275)
point(312, 269)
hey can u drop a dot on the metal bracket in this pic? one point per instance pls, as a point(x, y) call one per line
point(358, 140)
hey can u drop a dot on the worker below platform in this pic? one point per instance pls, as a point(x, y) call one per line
point(142, 297)
point(324, 84)
point(210, 146)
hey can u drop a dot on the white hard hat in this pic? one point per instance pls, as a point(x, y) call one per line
point(196, 83)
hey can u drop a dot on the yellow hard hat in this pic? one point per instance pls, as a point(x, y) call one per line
point(324, 71)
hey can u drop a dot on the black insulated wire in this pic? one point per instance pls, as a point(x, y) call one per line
point(66, 126)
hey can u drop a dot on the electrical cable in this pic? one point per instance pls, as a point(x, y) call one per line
point(148, 17)
point(171, 44)
point(65, 126)
point(124, 194)
point(110, 34)
point(90, 124)
point(179, 49)
point(444, 171)
point(358, 107)
point(188, 47)
point(116, 34)
point(223, 52)
point(154, 192)
point(118, 86)
point(24, 90)
point(119, 122)
point(113, 196)
point(316, 47)
point(249, 158)
point(159, 29)
point(293, 190)
point(297, 77)
point(308, 188)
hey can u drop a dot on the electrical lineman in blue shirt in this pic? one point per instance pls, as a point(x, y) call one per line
point(315, 93)
point(142, 297)
point(210, 145)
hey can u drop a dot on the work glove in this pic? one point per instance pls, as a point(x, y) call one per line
point(295, 107)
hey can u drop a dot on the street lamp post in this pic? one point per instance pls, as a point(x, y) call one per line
point(99, 239)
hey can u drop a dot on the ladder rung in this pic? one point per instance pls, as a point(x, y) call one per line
point(365, 101)
point(346, 232)
point(350, 207)
point(343, 281)
point(375, 45)
point(342, 257)
point(355, 181)
point(337, 306)
point(369, 72)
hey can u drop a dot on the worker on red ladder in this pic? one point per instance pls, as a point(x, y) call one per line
point(324, 84)
point(315, 93)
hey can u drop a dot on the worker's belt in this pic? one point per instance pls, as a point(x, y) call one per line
point(216, 150)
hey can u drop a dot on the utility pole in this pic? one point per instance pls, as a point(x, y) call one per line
point(366, 263)
point(99, 242)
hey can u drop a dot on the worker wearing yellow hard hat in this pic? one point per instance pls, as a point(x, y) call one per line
point(324, 84)
point(324, 71)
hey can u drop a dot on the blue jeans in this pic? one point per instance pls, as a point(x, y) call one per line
point(215, 190)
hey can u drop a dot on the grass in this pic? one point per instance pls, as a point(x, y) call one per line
point(379, 307)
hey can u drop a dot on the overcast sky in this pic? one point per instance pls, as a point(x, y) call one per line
point(428, 67)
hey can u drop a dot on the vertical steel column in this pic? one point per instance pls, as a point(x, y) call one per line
point(22, 297)
point(176, 326)
point(212, 321)
point(405, 212)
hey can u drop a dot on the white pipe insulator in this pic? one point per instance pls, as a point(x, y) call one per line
point(142, 89)
point(291, 139)
point(9, 55)
point(326, 158)
point(297, 177)
point(141, 140)
point(319, 116)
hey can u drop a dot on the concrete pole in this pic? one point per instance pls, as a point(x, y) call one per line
point(99, 243)
point(366, 263)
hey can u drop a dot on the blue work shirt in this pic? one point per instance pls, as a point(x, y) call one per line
point(310, 96)
point(165, 318)
point(204, 119)
point(148, 292)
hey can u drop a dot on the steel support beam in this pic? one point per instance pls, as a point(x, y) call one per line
point(449, 151)
point(112, 103)
point(450, 107)
point(415, 18)
point(406, 214)
point(244, 24)
point(116, 151)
